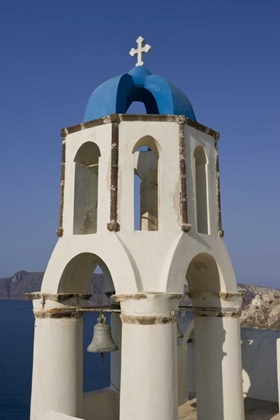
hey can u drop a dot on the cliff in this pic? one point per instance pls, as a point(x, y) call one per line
point(261, 305)
point(251, 291)
point(263, 312)
point(15, 287)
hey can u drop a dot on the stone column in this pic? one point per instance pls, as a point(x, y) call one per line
point(149, 356)
point(218, 355)
point(57, 382)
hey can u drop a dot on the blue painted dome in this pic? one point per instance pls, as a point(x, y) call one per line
point(139, 85)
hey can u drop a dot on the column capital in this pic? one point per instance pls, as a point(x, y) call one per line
point(147, 308)
point(58, 313)
point(147, 295)
point(149, 320)
point(59, 297)
point(57, 303)
point(217, 304)
point(217, 312)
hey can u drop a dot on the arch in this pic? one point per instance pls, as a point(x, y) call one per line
point(204, 275)
point(137, 107)
point(77, 274)
point(183, 250)
point(144, 96)
point(201, 188)
point(149, 142)
point(115, 255)
point(146, 168)
point(86, 189)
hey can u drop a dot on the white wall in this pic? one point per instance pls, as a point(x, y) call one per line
point(260, 349)
point(259, 362)
point(102, 404)
point(54, 415)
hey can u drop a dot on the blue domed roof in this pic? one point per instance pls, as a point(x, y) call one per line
point(158, 95)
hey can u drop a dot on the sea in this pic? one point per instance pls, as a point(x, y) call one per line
point(16, 353)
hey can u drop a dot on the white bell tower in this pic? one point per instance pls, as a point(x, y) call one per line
point(180, 237)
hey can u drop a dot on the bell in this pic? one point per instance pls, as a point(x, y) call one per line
point(102, 340)
point(179, 332)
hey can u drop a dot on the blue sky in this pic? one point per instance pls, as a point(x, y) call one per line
point(224, 55)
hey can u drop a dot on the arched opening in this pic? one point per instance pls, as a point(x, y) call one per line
point(86, 189)
point(100, 289)
point(85, 274)
point(137, 108)
point(77, 274)
point(145, 98)
point(146, 202)
point(92, 368)
point(207, 351)
point(201, 188)
point(203, 274)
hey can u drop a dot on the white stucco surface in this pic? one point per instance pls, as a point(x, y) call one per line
point(54, 415)
point(260, 362)
point(147, 272)
point(57, 382)
point(218, 386)
point(101, 405)
point(133, 265)
point(149, 360)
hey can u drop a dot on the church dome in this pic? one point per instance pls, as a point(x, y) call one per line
point(139, 85)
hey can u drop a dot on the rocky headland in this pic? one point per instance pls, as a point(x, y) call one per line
point(263, 311)
point(22, 282)
point(261, 305)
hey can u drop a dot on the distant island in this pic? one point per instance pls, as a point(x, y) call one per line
point(22, 282)
point(261, 305)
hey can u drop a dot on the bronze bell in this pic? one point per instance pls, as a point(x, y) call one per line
point(102, 340)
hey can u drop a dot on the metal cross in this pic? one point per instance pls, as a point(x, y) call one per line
point(140, 50)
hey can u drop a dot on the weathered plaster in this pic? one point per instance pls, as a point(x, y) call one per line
point(146, 269)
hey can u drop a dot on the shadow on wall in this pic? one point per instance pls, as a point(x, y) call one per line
point(185, 354)
point(258, 359)
point(191, 364)
point(203, 276)
point(86, 189)
point(189, 369)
